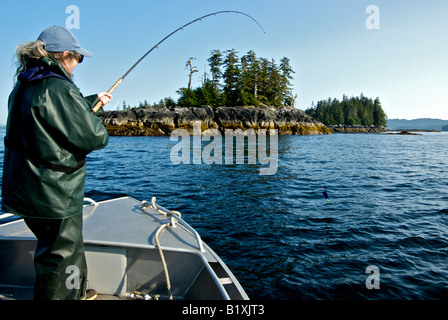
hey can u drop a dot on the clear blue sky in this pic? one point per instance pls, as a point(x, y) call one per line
point(404, 62)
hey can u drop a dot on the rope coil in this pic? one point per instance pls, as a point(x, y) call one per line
point(162, 257)
point(169, 215)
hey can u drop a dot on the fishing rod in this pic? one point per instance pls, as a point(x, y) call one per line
point(119, 81)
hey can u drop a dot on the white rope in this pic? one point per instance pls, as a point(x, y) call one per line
point(159, 247)
point(165, 267)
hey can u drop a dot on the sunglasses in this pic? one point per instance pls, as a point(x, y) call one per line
point(79, 57)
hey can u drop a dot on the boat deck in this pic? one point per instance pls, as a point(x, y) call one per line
point(123, 257)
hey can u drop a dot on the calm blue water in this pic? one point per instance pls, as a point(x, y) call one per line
point(280, 237)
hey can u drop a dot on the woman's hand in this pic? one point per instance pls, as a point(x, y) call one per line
point(104, 97)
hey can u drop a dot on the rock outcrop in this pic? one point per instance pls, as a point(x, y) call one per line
point(355, 128)
point(156, 121)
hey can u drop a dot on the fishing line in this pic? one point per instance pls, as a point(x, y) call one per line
point(119, 81)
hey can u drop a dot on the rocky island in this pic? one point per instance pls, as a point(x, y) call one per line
point(162, 120)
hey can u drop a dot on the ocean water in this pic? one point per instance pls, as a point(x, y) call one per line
point(388, 209)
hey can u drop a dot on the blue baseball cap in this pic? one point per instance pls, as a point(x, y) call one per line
point(59, 39)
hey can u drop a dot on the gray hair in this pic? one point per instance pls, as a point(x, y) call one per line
point(29, 52)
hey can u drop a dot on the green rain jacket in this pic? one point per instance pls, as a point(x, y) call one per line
point(49, 132)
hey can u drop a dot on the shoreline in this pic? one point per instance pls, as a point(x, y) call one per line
point(161, 121)
point(356, 129)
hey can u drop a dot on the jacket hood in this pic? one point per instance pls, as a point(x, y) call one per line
point(43, 69)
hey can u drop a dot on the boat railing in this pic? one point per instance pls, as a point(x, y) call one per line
point(91, 201)
point(8, 218)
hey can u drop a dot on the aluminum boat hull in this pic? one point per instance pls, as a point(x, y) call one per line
point(123, 259)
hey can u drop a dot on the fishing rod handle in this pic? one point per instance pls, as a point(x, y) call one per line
point(112, 89)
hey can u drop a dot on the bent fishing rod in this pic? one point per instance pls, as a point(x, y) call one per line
point(119, 81)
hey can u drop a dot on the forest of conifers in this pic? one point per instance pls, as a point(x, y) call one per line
point(350, 111)
point(234, 81)
point(254, 81)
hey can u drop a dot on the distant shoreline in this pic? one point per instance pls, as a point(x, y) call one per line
point(424, 124)
point(355, 129)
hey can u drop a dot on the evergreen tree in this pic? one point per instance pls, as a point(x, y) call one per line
point(187, 98)
point(231, 78)
point(246, 81)
point(249, 77)
point(350, 111)
point(263, 81)
point(209, 95)
point(215, 62)
point(379, 116)
point(169, 102)
point(286, 77)
point(275, 85)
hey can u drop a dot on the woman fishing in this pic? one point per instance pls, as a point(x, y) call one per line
point(50, 130)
